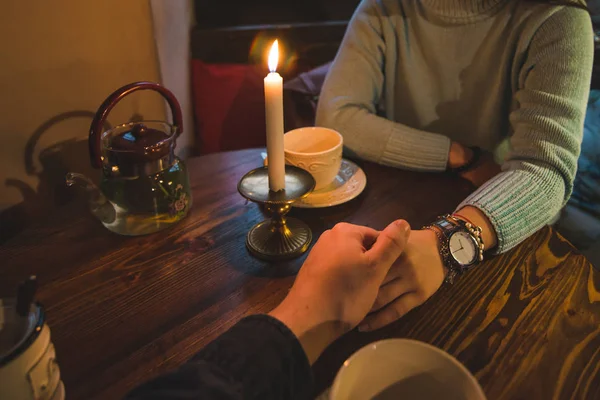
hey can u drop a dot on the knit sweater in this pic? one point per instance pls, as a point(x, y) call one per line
point(509, 76)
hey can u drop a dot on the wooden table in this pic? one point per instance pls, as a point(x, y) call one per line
point(124, 309)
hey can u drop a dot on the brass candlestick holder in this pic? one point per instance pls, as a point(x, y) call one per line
point(279, 237)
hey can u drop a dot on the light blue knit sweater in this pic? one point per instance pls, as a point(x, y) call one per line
point(509, 76)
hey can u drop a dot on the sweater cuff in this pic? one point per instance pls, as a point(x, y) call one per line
point(515, 206)
point(417, 150)
point(263, 352)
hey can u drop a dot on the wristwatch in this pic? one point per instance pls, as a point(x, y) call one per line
point(460, 244)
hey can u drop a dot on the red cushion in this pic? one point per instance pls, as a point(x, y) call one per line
point(229, 106)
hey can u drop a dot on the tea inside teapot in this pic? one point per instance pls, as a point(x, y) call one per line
point(142, 178)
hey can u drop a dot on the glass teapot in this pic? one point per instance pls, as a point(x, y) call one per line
point(144, 187)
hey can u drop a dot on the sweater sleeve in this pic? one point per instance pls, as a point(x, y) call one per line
point(352, 91)
point(547, 122)
point(258, 358)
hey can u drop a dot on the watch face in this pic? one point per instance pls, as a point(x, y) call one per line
point(463, 248)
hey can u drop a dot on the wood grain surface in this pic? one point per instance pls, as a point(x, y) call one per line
point(124, 309)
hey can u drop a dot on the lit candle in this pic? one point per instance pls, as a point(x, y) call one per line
point(274, 122)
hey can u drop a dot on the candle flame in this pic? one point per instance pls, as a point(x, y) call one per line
point(274, 56)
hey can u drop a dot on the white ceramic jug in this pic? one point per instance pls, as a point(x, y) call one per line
point(28, 367)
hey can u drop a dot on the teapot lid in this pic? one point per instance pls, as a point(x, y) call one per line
point(141, 144)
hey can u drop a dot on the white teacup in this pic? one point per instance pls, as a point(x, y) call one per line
point(316, 150)
point(404, 369)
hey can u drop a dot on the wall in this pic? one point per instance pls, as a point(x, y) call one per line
point(173, 21)
point(59, 60)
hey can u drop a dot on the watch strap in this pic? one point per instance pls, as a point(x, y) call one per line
point(453, 268)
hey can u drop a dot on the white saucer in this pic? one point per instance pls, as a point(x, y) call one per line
point(347, 185)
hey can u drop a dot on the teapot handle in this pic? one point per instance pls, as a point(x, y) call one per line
point(112, 100)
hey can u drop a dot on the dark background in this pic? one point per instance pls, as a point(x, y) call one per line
point(222, 14)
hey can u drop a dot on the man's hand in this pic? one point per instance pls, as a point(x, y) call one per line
point(415, 277)
point(339, 281)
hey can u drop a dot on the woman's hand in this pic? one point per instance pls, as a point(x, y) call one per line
point(459, 155)
point(414, 277)
point(339, 281)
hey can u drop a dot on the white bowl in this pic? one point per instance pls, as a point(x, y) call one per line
point(316, 150)
point(406, 370)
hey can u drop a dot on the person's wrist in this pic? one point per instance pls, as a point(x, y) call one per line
point(313, 329)
point(478, 218)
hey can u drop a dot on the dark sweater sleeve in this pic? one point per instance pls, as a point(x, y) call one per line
point(258, 358)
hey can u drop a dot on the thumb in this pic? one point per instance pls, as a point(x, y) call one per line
point(389, 245)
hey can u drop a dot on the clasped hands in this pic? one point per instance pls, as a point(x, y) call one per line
point(358, 276)
point(413, 278)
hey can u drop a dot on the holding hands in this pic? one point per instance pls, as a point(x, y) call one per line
point(420, 270)
point(339, 282)
point(415, 276)
point(358, 276)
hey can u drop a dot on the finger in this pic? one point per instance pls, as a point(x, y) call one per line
point(366, 234)
point(389, 245)
point(369, 236)
point(396, 271)
point(391, 291)
point(391, 312)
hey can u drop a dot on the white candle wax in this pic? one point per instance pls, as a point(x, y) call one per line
point(274, 123)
